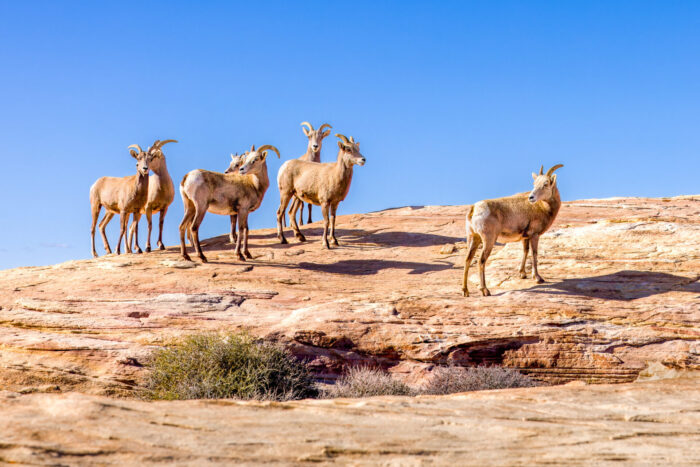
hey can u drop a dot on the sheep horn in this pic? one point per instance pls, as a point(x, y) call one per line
point(252, 148)
point(352, 140)
point(162, 143)
point(551, 171)
point(324, 126)
point(311, 128)
point(269, 146)
point(541, 169)
point(343, 137)
point(136, 146)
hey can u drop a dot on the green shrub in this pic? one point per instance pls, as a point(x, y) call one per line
point(212, 366)
point(366, 382)
point(452, 379)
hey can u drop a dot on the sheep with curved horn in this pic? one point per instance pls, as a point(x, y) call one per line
point(161, 193)
point(225, 194)
point(312, 154)
point(323, 184)
point(522, 217)
point(123, 196)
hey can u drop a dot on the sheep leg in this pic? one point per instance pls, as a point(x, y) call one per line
point(300, 204)
point(284, 200)
point(123, 222)
point(526, 249)
point(293, 221)
point(488, 246)
point(149, 221)
point(293, 207)
point(334, 208)
point(232, 234)
point(103, 225)
point(95, 215)
point(161, 220)
point(324, 210)
point(309, 220)
point(194, 230)
point(534, 242)
point(134, 230)
point(185, 227)
point(472, 245)
point(243, 236)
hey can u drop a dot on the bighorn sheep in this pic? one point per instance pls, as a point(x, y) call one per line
point(123, 196)
point(522, 217)
point(323, 184)
point(160, 195)
point(236, 163)
point(225, 194)
point(312, 154)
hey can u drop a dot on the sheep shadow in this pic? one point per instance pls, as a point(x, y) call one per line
point(622, 285)
point(356, 267)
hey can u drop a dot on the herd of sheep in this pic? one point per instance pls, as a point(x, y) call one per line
point(240, 190)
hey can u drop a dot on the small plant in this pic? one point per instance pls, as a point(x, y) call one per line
point(367, 382)
point(452, 379)
point(212, 366)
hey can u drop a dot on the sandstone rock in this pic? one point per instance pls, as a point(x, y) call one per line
point(622, 293)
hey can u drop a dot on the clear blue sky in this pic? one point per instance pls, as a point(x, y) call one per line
point(453, 101)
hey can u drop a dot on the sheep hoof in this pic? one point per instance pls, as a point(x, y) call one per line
point(523, 275)
point(465, 292)
point(539, 280)
point(283, 241)
point(301, 238)
point(203, 258)
point(94, 254)
point(248, 255)
point(161, 246)
point(138, 251)
point(241, 257)
point(186, 257)
point(148, 249)
point(486, 292)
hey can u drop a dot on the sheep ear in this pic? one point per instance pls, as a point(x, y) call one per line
point(306, 132)
point(554, 179)
point(340, 144)
point(534, 176)
point(134, 154)
point(326, 133)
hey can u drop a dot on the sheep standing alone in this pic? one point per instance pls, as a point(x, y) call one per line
point(120, 195)
point(522, 217)
point(225, 194)
point(323, 184)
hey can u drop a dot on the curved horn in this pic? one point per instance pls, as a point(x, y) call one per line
point(252, 148)
point(551, 171)
point(352, 140)
point(343, 137)
point(136, 146)
point(311, 128)
point(162, 143)
point(324, 126)
point(541, 169)
point(271, 147)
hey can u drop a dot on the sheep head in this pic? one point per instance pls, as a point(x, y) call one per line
point(544, 184)
point(143, 159)
point(315, 136)
point(350, 150)
point(255, 159)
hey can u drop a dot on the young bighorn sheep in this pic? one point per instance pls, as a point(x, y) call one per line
point(225, 194)
point(161, 193)
point(312, 154)
point(123, 196)
point(522, 217)
point(323, 184)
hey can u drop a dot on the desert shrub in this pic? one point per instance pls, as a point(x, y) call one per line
point(209, 366)
point(451, 379)
point(366, 382)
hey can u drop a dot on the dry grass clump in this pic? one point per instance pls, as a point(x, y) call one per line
point(366, 382)
point(452, 379)
point(213, 366)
